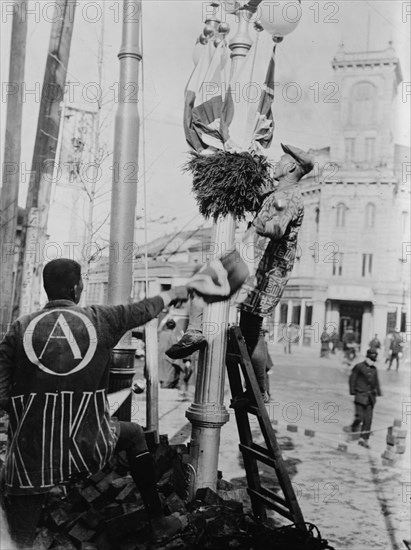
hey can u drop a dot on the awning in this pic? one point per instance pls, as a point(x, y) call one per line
point(350, 293)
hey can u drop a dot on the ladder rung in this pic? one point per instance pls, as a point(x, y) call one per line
point(269, 502)
point(259, 453)
point(274, 496)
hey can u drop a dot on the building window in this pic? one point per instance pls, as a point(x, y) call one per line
point(338, 264)
point(391, 321)
point(363, 104)
point(308, 315)
point(283, 313)
point(341, 208)
point(366, 265)
point(349, 149)
point(370, 215)
point(295, 318)
point(370, 150)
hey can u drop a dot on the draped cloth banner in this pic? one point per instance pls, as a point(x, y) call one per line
point(247, 116)
point(204, 99)
point(231, 115)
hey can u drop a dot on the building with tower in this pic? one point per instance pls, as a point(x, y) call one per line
point(353, 266)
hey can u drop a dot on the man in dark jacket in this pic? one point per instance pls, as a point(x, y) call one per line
point(365, 387)
point(54, 371)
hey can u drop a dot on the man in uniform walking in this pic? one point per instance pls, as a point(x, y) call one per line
point(365, 387)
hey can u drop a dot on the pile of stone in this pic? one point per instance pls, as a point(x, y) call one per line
point(105, 512)
point(396, 436)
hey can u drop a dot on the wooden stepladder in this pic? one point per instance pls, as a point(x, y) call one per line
point(261, 498)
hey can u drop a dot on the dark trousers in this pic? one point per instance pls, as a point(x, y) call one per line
point(363, 419)
point(251, 328)
point(23, 512)
point(396, 357)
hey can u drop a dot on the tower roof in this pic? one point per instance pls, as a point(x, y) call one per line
point(370, 59)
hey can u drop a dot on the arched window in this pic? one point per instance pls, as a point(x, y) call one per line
point(370, 215)
point(340, 220)
point(363, 103)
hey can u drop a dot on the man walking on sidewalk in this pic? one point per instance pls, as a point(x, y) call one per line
point(365, 386)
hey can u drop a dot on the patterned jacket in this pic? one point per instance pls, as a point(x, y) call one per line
point(277, 224)
point(54, 370)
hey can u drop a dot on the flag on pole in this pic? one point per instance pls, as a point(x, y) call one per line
point(204, 98)
point(247, 121)
point(264, 121)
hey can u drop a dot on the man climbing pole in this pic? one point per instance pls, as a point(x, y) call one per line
point(278, 220)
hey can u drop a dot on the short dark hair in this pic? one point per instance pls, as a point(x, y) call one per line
point(60, 276)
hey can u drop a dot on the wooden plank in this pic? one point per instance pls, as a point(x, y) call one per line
point(273, 505)
point(250, 451)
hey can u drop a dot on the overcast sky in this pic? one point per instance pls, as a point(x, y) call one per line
point(170, 29)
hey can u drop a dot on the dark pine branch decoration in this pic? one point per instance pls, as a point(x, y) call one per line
point(228, 183)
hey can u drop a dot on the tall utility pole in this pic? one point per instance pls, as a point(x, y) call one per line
point(41, 177)
point(97, 159)
point(208, 414)
point(125, 156)
point(124, 182)
point(11, 165)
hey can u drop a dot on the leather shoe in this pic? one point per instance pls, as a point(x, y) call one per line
point(363, 443)
point(190, 342)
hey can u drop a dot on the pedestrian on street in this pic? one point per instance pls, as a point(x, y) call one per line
point(375, 344)
point(54, 372)
point(325, 340)
point(277, 224)
point(365, 387)
point(169, 370)
point(395, 349)
point(334, 340)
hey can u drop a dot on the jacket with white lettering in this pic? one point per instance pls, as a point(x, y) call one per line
point(54, 370)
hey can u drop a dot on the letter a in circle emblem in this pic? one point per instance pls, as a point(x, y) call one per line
point(60, 341)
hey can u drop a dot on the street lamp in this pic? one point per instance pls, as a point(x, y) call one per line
point(207, 413)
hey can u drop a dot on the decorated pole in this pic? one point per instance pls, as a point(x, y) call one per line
point(227, 134)
point(208, 414)
point(124, 189)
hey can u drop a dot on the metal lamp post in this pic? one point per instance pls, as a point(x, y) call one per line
point(208, 414)
point(125, 157)
point(124, 188)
